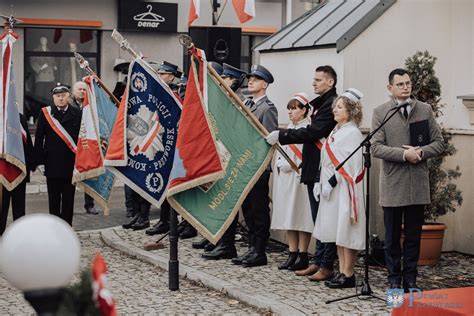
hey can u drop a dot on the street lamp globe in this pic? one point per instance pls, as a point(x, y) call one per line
point(39, 254)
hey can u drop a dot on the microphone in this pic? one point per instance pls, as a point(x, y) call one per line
point(404, 104)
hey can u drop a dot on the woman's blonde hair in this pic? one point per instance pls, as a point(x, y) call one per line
point(354, 109)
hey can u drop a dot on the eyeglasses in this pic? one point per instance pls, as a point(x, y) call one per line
point(402, 85)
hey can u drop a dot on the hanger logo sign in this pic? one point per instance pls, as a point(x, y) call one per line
point(149, 19)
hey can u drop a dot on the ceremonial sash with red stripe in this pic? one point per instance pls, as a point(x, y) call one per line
point(296, 151)
point(349, 179)
point(59, 129)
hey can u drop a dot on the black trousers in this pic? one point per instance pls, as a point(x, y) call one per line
point(128, 197)
point(61, 198)
point(326, 252)
point(88, 201)
point(165, 212)
point(256, 209)
point(17, 197)
point(413, 221)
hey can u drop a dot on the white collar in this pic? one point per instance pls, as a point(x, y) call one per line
point(259, 98)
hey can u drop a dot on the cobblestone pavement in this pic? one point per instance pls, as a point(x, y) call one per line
point(454, 270)
point(138, 287)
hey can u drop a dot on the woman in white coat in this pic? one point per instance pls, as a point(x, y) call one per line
point(341, 217)
point(291, 209)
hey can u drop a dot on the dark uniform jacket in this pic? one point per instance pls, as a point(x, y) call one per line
point(322, 123)
point(266, 112)
point(50, 149)
point(28, 149)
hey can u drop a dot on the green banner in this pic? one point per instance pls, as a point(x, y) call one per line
point(245, 154)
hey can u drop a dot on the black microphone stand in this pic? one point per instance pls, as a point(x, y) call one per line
point(366, 290)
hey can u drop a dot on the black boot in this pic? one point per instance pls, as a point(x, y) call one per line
point(258, 257)
point(130, 213)
point(144, 220)
point(238, 260)
point(289, 262)
point(132, 221)
point(200, 244)
point(301, 262)
point(225, 248)
point(159, 228)
point(209, 247)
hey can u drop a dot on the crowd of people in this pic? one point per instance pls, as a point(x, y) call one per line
point(316, 200)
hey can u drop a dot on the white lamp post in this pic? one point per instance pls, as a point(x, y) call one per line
point(39, 254)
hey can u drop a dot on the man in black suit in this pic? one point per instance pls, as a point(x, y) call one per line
point(56, 136)
point(322, 123)
point(17, 195)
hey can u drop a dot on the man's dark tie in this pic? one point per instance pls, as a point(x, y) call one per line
point(405, 112)
point(249, 103)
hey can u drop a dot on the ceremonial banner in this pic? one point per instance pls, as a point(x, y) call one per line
point(98, 118)
point(143, 141)
point(245, 9)
point(244, 153)
point(196, 160)
point(12, 156)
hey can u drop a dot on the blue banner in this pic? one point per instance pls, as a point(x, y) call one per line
point(100, 188)
point(152, 117)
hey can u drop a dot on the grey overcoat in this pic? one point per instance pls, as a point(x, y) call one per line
point(403, 183)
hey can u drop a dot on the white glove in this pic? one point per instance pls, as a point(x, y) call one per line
point(272, 138)
point(317, 191)
point(41, 169)
point(44, 66)
point(326, 190)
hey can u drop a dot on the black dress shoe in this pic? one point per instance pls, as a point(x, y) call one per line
point(222, 251)
point(92, 210)
point(132, 221)
point(238, 260)
point(255, 259)
point(301, 263)
point(200, 244)
point(342, 282)
point(209, 247)
point(141, 224)
point(410, 285)
point(336, 277)
point(188, 232)
point(158, 228)
point(289, 261)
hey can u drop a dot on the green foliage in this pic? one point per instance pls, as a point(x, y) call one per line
point(78, 298)
point(445, 196)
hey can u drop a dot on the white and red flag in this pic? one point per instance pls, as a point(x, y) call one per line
point(89, 160)
point(12, 155)
point(245, 9)
point(194, 11)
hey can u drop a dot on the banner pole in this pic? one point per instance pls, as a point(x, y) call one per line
point(84, 64)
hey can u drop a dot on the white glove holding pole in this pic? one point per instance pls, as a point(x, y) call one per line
point(317, 191)
point(326, 190)
point(272, 138)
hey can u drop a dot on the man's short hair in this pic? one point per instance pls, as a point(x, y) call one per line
point(397, 71)
point(328, 70)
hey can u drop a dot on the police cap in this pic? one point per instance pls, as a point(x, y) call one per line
point(168, 68)
point(217, 67)
point(260, 72)
point(60, 87)
point(231, 71)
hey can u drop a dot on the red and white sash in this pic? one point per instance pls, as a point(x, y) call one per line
point(59, 129)
point(350, 180)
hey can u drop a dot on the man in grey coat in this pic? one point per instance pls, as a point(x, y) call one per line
point(404, 183)
point(256, 207)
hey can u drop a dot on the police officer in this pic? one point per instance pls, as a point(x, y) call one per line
point(225, 248)
point(56, 135)
point(256, 206)
point(17, 195)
